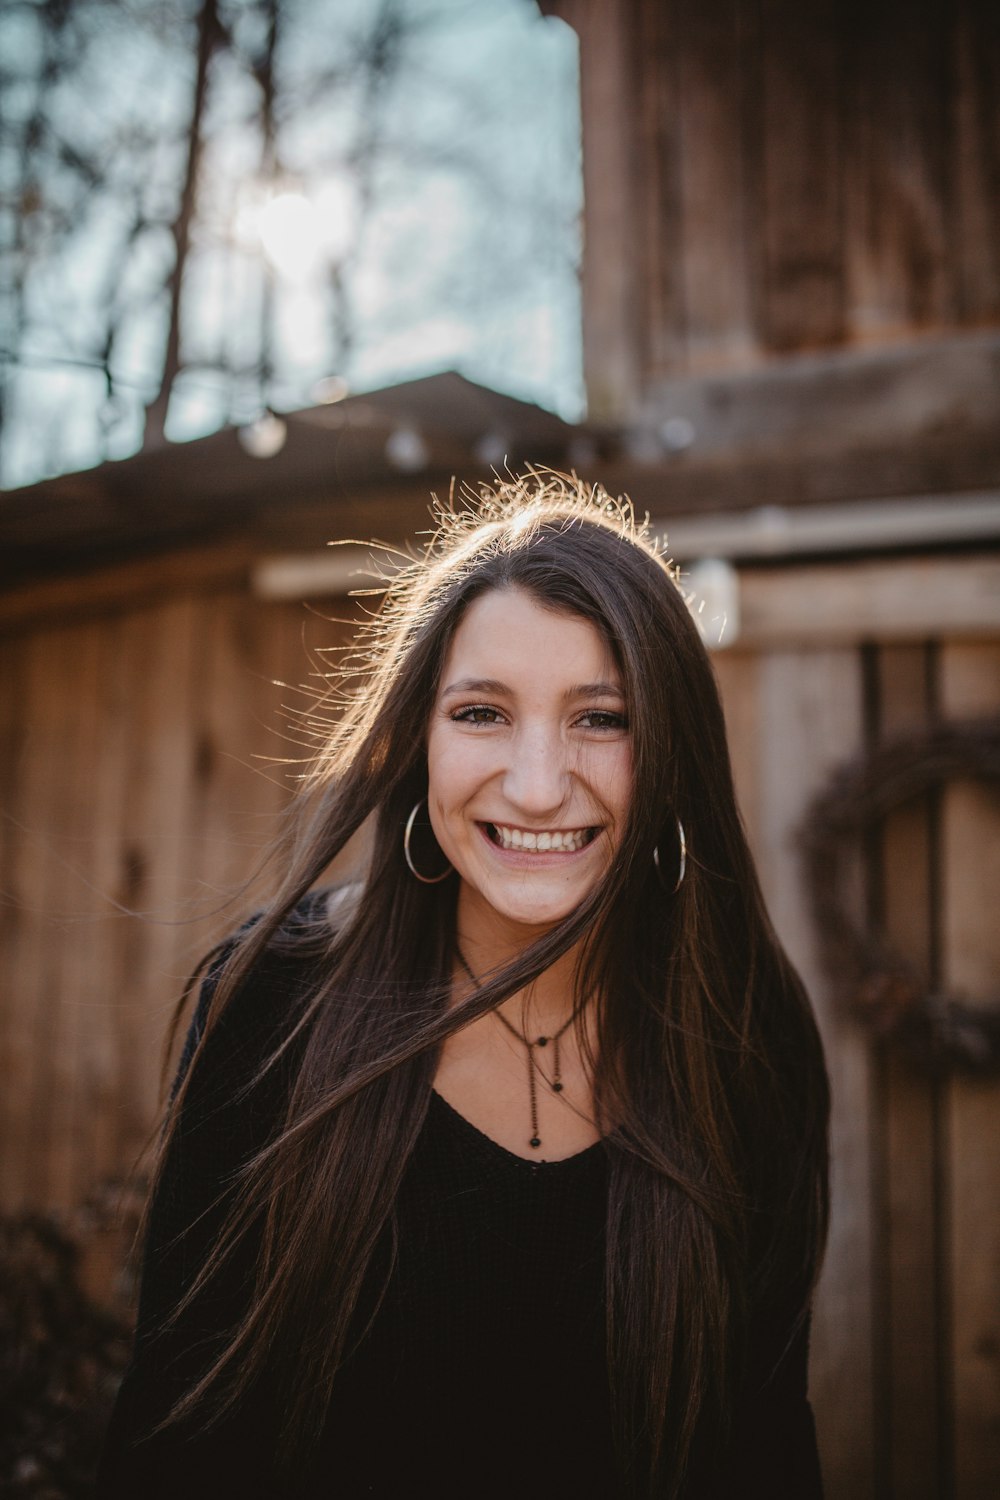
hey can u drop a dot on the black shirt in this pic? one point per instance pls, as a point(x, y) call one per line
point(483, 1376)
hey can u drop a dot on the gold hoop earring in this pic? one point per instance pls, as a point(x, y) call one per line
point(424, 879)
point(682, 864)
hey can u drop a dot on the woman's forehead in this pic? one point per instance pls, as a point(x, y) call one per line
point(507, 636)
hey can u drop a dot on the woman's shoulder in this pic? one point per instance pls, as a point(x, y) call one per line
point(270, 996)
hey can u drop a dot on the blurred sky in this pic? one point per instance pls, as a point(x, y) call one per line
point(417, 212)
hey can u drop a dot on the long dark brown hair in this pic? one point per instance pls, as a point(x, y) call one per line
point(708, 1073)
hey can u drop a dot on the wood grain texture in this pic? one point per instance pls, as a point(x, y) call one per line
point(15, 1000)
point(61, 1118)
point(911, 1268)
point(800, 226)
point(158, 865)
point(897, 207)
point(811, 715)
point(737, 673)
point(658, 260)
point(130, 585)
point(111, 928)
point(910, 600)
point(975, 159)
point(708, 52)
point(39, 877)
point(970, 686)
point(611, 338)
point(801, 177)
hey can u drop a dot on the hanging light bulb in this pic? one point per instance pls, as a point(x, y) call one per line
point(264, 436)
point(406, 450)
point(330, 389)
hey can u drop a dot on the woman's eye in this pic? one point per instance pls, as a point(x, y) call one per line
point(602, 718)
point(479, 713)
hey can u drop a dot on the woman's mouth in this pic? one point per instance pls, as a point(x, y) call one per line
point(540, 841)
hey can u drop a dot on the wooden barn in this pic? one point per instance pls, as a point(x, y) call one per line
point(792, 348)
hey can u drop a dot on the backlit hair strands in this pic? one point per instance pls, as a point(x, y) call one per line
point(467, 530)
point(708, 1074)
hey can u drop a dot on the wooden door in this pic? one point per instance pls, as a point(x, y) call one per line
point(906, 1345)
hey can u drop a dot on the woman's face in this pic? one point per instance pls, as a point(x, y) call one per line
point(529, 761)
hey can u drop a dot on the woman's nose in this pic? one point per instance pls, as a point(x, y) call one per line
point(537, 779)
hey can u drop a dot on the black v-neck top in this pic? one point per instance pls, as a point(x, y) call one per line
point(487, 1358)
point(484, 1374)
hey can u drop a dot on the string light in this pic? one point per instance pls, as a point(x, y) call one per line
point(264, 437)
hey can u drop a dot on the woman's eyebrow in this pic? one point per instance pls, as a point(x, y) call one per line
point(595, 690)
point(478, 685)
point(501, 689)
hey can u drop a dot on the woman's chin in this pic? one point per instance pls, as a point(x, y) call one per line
point(529, 913)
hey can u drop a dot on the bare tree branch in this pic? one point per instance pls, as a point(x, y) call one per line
point(209, 37)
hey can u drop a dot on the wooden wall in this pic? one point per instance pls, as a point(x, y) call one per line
point(906, 1348)
point(131, 784)
point(768, 176)
point(127, 744)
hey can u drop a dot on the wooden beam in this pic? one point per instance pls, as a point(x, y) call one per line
point(893, 601)
point(913, 418)
point(828, 404)
point(914, 600)
point(126, 585)
point(611, 297)
point(810, 715)
point(774, 533)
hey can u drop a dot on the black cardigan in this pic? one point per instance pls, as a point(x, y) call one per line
point(484, 1374)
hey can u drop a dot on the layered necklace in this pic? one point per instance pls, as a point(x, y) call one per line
point(530, 1044)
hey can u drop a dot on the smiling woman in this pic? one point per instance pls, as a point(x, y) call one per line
point(501, 1171)
point(529, 782)
point(528, 788)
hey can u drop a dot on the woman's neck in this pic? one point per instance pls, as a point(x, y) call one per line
point(544, 1006)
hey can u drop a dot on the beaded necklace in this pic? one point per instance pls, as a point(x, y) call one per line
point(529, 1045)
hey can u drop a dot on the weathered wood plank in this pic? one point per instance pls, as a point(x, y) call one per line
point(658, 254)
point(704, 124)
point(70, 926)
point(896, 202)
point(811, 718)
point(44, 811)
point(15, 999)
point(102, 986)
point(129, 585)
point(821, 406)
point(885, 601)
point(970, 686)
point(231, 797)
point(975, 160)
point(800, 226)
point(611, 330)
point(912, 1274)
point(737, 673)
point(159, 860)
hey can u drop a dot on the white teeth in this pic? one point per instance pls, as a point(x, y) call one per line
point(564, 840)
